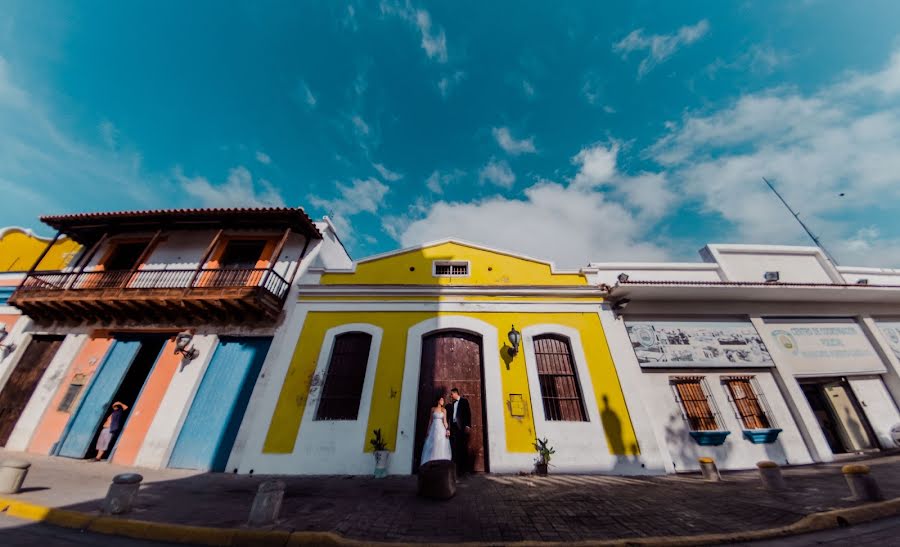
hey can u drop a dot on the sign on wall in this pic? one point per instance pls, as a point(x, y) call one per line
point(698, 344)
point(891, 331)
point(824, 347)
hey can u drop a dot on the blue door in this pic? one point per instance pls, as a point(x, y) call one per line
point(212, 422)
point(94, 405)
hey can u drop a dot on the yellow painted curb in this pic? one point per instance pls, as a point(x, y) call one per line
point(203, 535)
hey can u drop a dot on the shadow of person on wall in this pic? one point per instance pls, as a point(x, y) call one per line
point(612, 426)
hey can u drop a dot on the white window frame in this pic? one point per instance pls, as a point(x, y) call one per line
point(451, 263)
point(757, 391)
point(710, 400)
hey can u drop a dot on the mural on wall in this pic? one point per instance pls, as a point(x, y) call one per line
point(891, 331)
point(836, 346)
point(697, 344)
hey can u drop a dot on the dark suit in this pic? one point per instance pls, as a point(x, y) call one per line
point(459, 438)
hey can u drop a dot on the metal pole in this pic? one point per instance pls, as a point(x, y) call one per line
point(805, 228)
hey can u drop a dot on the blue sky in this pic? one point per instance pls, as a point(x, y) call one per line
point(573, 131)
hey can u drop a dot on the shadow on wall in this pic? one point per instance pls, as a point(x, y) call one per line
point(628, 459)
point(685, 451)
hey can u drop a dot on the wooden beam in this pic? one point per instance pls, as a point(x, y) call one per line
point(43, 255)
point(145, 254)
point(206, 255)
point(275, 255)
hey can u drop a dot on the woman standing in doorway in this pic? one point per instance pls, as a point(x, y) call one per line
point(111, 428)
point(437, 443)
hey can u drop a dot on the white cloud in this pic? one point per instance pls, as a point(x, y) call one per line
point(659, 47)
point(361, 196)
point(563, 224)
point(360, 125)
point(759, 59)
point(649, 193)
point(512, 146)
point(386, 173)
point(813, 146)
point(497, 172)
point(238, 190)
point(437, 181)
point(434, 42)
point(597, 165)
point(528, 88)
point(110, 134)
point(306, 95)
point(263, 158)
point(447, 83)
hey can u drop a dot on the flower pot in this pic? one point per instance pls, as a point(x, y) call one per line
point(541, 469)
point(381, 463)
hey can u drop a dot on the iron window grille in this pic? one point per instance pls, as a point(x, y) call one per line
point(748, 402)
point(560, 388)
point(344, 379)
point(447, 268)
point(697, 408)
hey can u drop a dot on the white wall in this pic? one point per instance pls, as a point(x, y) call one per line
point(875, 276)
point(876, 403)
point(794, 264)
point(737, 452)
point(609, 272)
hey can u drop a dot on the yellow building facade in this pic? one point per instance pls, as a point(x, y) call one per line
point(370, 347)
point(20, 248)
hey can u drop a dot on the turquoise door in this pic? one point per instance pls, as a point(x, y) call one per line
point(83, 425)
point(212, 422)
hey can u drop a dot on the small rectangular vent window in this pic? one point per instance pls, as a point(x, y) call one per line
point(451, 269)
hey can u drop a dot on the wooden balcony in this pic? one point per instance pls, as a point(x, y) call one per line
point(154, 296)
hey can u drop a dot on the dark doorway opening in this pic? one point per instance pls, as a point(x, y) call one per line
point(24, 380)
point(131, 386)
point(453, 359)
point(839, 415)
point(124, 256)
point(242, 253)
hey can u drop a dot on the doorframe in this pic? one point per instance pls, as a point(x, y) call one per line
point(500, 460)
point(820, 382)
point(483, 394)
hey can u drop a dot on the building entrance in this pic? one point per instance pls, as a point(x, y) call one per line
point(839, 415)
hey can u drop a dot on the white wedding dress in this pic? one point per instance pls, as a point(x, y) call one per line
point(437, 445)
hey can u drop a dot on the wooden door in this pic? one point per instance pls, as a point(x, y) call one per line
point(23, 381)
point(452, 359)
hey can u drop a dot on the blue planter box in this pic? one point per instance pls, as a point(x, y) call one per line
point(710, 438)
point(761, 436)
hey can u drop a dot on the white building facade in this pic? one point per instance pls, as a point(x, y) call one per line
point(757, 353)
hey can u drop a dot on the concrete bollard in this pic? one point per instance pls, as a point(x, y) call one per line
point(121, 493)
point(267, 503)
point(12, 475)
point(709, 470)
point(862, 485)
point(771, 476)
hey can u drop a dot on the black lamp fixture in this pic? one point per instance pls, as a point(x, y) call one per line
point(182, 341)
point(5, 348)
point(620, 304)
point(515, 338)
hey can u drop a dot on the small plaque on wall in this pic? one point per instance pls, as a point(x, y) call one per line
point(516, 405)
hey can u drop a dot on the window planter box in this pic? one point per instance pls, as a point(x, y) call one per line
point(710, 438)
point(761, 436)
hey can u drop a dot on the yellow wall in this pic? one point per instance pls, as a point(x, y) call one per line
point(19, 250)
point(486, 268)
point(384, 413)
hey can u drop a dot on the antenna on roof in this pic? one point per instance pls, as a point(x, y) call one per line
point(805, 228)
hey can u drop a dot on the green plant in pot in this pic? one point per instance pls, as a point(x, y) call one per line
point(545, 451)
point(381, 453)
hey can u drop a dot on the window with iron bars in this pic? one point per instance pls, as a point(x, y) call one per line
point(560, 389)
point(749, 405)
point(451, 269)
point(698, 409)
point(345, 377)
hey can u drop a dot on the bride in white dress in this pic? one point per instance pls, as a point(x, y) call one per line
point(437, 442)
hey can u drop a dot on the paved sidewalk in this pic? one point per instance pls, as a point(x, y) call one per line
point(497, 508)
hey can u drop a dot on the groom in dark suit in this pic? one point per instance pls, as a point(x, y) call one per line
point(460, 417)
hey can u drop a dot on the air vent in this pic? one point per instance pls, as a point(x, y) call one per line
point(450, 268)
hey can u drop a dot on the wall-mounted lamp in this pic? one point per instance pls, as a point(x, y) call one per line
point(182, 341)
point(515, 338)
point(771, 277)
point(623, 277)
point(5, 348)
point(620, 304)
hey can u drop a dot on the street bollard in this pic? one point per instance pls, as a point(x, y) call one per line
point(709, 470)
point(267, 503)
point(12, 475)
point(771, 476)
point(862, 485)
point(121, 493)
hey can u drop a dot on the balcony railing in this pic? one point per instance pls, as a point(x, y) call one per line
point(129, 281)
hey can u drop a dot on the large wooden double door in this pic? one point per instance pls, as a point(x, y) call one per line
point(452, 359)
point(24, 380)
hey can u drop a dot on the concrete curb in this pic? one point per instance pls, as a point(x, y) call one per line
point(240, 537)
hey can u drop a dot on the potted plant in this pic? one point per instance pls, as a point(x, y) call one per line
point(544, 451)
point(381, 453)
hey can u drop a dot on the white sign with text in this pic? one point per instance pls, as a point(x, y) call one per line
point(826, 347)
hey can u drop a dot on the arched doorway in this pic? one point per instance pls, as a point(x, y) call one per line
point(452, 359)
